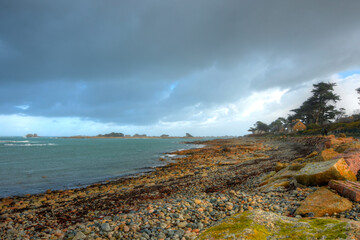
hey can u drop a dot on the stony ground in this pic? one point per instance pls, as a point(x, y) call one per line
point(174, 202)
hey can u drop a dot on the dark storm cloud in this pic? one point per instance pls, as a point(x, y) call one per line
point(138, 62)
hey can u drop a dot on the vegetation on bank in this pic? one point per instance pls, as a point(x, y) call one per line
point(317, 115)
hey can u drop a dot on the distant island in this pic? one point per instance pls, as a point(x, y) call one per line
point(122, 135)
point(31, 135)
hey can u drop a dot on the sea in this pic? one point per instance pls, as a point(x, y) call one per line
point(33, 165)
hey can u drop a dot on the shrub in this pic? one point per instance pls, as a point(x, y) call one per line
point(342, 135)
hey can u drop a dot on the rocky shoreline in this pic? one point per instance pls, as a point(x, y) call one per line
point(181, 200)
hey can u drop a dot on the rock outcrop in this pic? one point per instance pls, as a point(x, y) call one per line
point(258, 224)
point(323, 201)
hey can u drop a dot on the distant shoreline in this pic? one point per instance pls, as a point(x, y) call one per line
point(137, 137)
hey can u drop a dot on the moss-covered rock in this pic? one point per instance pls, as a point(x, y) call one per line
point(273, 185)
point(258, 224)
point(279, 166)
point(296, 166)
point(342, 148)
point(311, 155)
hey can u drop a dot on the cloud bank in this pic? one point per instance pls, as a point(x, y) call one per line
point(166, 63)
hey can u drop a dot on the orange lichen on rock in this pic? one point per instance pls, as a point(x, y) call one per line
point(323, 201)
point(320, 173)
point(327, 154)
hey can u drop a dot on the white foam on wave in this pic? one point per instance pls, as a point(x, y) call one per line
point(200, 145)
point(30, 145)
point(8, 141)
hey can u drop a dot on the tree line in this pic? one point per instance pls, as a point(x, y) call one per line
point(317, 110)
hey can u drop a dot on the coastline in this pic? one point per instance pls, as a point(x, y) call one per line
point(159, 160)
point(178, 200)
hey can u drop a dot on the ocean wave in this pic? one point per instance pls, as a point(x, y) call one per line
point(30, 145)
point(8, 141)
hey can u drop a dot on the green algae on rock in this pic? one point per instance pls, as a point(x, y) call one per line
point(258, 224)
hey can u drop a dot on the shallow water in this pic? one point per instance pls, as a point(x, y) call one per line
point(33, 165)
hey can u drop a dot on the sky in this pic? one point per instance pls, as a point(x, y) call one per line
point(206, 67)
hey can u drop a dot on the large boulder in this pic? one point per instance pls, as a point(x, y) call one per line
point(320, 173)
point(352, 158)
point(347, 189)
point(258, 224)
point(314, 173)
point(326, 155)
point(323, 201)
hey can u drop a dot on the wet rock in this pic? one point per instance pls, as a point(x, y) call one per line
point(182, 224)
point(126, 229)
point(161, 236)
point(79, 236)
point(106, 227)
point(323, 201)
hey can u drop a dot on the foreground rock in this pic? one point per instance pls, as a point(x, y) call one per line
point(310, 174)
point(322, 202)
point(258, 224)
point(347, 189)
point(352, 158)
point(320, 173)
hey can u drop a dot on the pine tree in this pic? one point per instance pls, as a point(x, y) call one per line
point(320, 107)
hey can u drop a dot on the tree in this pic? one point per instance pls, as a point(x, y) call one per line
point(277, 125)
point(112, 134)
point(259, 127)
point(262, 127)
point(253, 130)
point(340, 114)
point(320, 107)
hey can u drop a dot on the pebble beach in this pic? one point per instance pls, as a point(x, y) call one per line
point(177, 201)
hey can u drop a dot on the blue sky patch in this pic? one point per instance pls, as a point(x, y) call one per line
point(349, 73)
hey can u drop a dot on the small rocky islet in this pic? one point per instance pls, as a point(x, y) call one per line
point(243, 188)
